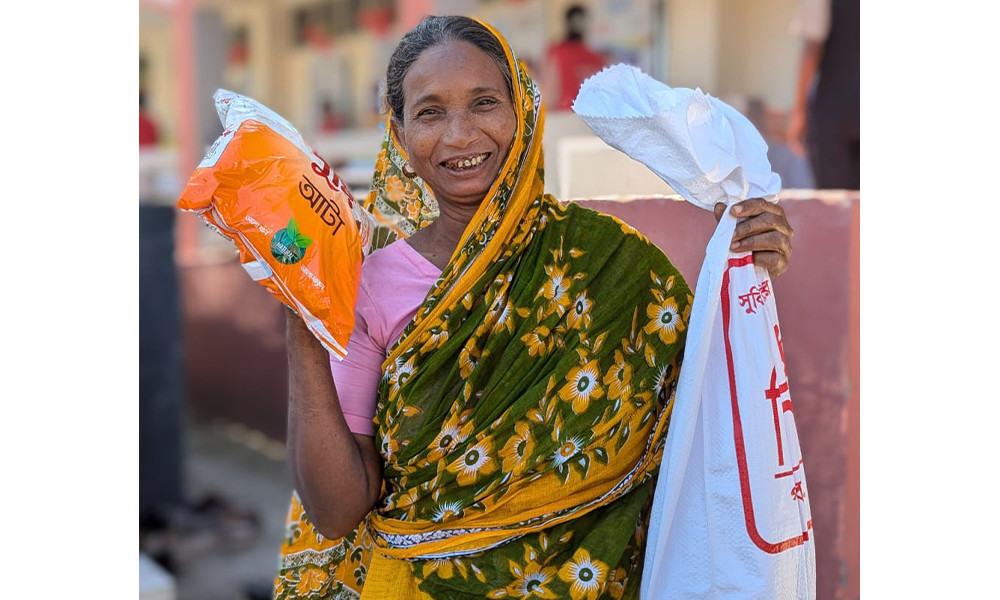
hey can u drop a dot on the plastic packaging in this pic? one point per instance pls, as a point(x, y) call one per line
point(299, 231)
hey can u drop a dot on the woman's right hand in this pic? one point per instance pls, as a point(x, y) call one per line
point(337, 474)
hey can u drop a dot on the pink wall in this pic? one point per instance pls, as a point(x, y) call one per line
point(235, 363)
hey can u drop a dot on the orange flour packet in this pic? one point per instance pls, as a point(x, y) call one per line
point(298, 229)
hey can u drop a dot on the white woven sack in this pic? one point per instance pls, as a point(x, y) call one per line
point(730, 515)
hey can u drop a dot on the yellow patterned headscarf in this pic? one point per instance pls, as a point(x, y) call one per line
point(522, 414)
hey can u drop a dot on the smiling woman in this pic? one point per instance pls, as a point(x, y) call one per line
point(497, 424)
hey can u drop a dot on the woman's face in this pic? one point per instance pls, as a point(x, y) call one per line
point(458, 121)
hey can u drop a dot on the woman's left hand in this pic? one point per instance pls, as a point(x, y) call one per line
point(764, 231)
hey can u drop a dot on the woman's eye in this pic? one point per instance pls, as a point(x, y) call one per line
point(427, 112)
point(487, 101)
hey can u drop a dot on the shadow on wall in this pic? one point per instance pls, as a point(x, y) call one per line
point(234, 348)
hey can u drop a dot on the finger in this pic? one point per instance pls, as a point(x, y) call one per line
point(770, 217)
point(755, 206)
point(761, 224)
point(775, 263)
point(769, 241)
point(720, 209)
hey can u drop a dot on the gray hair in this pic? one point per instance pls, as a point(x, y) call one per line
point(430, 32)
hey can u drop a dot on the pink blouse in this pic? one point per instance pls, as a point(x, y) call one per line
point(394, 282)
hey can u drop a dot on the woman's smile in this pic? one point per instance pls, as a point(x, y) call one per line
point(465, 164)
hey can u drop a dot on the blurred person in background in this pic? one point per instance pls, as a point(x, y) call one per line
point(571, 61)
point(172, 528)
point(148, 131)
point(827, 109)
point(330, 119)
point(792, 167)
point(160, 371)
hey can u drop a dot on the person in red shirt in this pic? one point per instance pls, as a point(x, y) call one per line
point(571, 61)
point(331, 120)
point(148, 132)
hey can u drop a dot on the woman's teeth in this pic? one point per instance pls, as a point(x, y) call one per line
point(466, 163)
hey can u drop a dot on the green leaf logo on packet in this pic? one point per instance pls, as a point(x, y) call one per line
point(288, 246)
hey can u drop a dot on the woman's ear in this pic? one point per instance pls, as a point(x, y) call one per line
point(397, 130)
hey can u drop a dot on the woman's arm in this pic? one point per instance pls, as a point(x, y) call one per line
point(337, 474)
point(812, 54)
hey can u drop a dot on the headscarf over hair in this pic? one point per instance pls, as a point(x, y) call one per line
point(522, 413)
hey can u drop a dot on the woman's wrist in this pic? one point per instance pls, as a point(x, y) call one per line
point(296, 328)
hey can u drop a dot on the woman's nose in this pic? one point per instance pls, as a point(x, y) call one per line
point(460, 130)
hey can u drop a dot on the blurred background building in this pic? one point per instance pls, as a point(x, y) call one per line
point(297, 55)
point(319, 63)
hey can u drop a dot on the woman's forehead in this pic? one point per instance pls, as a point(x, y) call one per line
point(453, 66)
